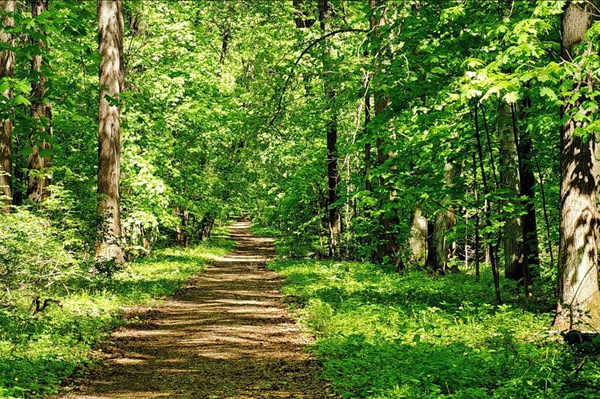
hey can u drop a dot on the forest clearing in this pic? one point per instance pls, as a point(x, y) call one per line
point(369, 199)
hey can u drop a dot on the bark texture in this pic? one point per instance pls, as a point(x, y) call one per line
point(7, 60)
point(418, 236)
point(578, 305)
point(38, 163)
point(110, 37)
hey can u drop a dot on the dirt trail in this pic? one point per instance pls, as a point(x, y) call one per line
point(226, 335)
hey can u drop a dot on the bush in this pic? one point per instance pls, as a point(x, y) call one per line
point(34, 256)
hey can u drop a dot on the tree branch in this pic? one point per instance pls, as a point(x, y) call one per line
point(302, 54)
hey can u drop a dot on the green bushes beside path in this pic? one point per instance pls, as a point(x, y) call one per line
point(38, 352)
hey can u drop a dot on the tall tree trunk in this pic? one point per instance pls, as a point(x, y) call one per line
point(333, 177)
point(38, 163)
point(366, 130)
point(491, 248)
point(110, 36)
point(7, 60)
point(531, 251)
point(578, 305)
point(512, 231)
point(388, 246)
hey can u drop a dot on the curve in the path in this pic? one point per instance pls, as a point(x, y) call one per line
point(225, 336)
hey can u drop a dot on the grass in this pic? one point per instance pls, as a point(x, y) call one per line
point(39, 352)
point(384, 335)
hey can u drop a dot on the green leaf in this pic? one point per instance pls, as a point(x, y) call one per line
point(4, 86)
point(548, 92)
point(20, 100)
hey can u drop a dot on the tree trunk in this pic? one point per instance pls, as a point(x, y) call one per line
point(491, 248)
point(206, 226)
point(110, 36)
point(181, 234)
point(226, 37)
point(388, 246)
point(7, 60)
point(439, 248)
point(512, 234)
point(333, 177)
point(301, 17)
point(578, 305)
point(418, 236)
point(531, 250)
point(38, 163)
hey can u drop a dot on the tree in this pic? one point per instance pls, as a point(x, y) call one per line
point(578, 292)
point(437, 243)
point(111, 79)
point(334, 219)
point(388, 246)
point(7, 59)
point(38, 162)
point(512, 231)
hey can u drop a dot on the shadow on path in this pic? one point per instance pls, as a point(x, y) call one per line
point(225, 335)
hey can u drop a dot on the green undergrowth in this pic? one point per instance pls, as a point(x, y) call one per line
point(265, 231)
point(38, 352)
point(384, 335)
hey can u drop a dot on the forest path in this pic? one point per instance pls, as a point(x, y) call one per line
point(226, 335)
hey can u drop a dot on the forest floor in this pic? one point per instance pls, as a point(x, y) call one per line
point(225, 335)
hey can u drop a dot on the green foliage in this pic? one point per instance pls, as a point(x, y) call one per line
point(38, 352)
point(386, 335)
point(35, 255)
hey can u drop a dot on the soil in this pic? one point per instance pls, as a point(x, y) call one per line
point(225, 335)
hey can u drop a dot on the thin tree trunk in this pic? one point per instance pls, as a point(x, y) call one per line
point(545, 210)
point(531, 251)
point(38, 163)
point(7, 60)
point(226, 37)
point(578, 306)
point(110, 36)
point(367, 149)
point(333, 177)
point(488, 211)
point(477, 220)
